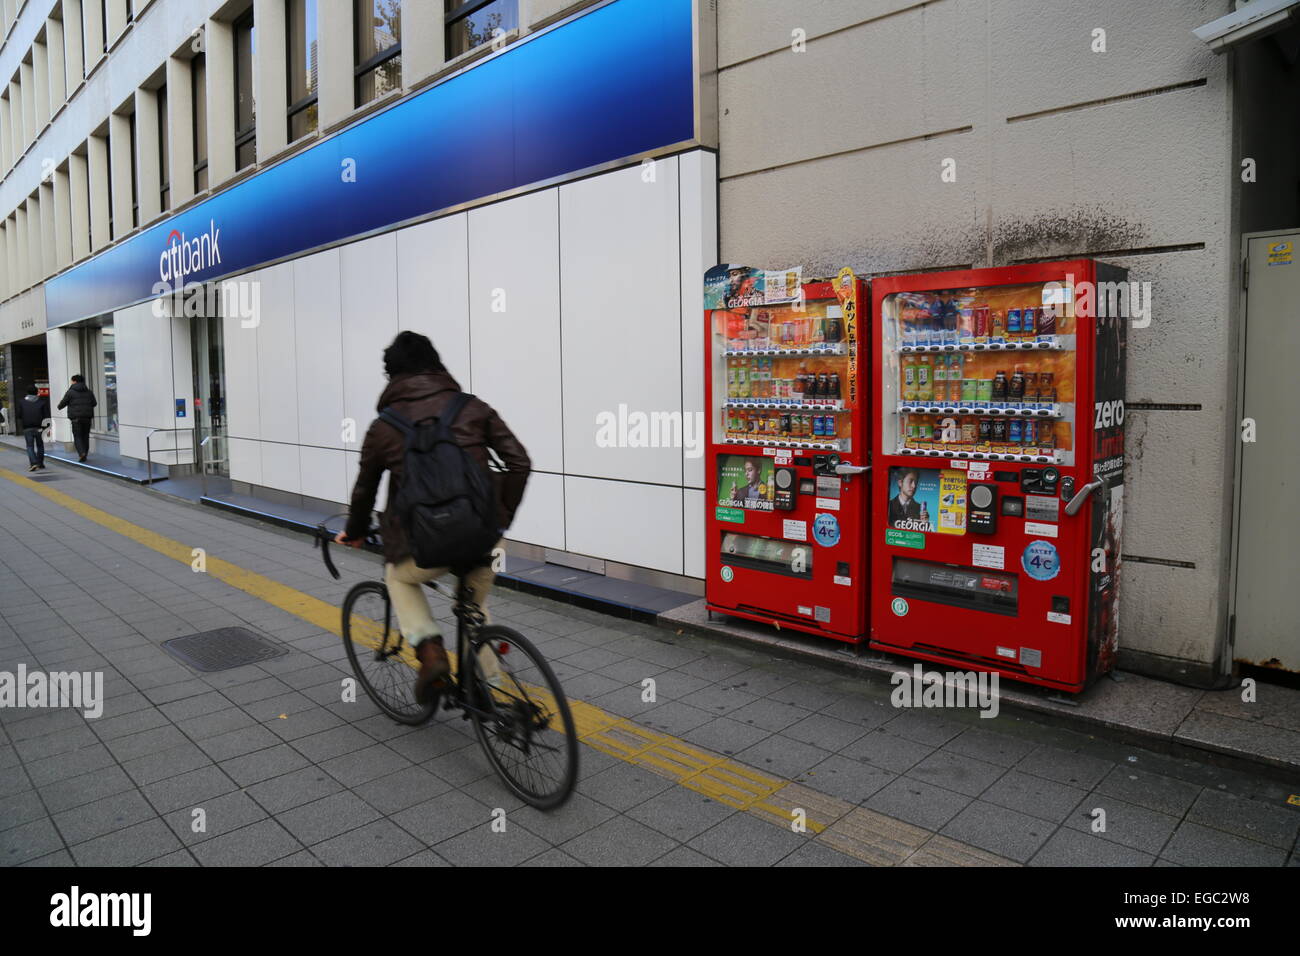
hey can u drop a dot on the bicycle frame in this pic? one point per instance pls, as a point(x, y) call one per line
point(469, 616)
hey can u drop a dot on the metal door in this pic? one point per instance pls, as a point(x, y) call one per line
point(1266, 538)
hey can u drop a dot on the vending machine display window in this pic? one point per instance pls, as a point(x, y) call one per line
point(980, 373)
point(786, 366)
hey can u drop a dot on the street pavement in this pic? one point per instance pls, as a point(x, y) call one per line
point(736, 748)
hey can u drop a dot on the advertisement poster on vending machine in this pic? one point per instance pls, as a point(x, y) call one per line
point(745, 481)
point(927, 499)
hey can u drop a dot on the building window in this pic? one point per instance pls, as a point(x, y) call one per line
point(164, 154)
point(199, 92)
point(103, 26)
point(378, 33)
point(108, 178)
point(301, 37)
point(471, 23)
point(245, 108)
point(135, 177)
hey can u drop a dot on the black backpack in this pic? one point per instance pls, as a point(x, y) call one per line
point(446, 503)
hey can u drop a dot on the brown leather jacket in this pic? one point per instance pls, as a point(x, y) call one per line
point(477, 429)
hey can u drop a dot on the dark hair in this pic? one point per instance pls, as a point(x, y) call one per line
point(411, 353)
point(78, 377)
point(902, 473)
point(33, 390)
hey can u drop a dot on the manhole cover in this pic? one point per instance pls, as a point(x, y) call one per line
point(222, 649)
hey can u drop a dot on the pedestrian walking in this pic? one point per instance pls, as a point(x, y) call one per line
point(33, 413)
point(80, 402)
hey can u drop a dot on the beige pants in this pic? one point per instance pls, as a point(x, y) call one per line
point(406, 589)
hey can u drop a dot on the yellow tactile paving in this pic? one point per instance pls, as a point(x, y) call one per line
point(863, 834)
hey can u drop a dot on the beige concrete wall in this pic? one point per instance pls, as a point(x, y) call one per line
point(833, 156)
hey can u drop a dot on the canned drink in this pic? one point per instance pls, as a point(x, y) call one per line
point(969, 429)
point(986, 430)
point(984, 391)
point(1013, 324)
point(1014, 432)
point(999, 430)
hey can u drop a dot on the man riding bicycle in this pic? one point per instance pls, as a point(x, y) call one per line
point(420, 388)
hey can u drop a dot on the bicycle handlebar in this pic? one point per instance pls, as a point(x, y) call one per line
point(324, 537)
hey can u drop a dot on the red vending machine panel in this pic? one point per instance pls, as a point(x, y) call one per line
point(786, 477)
point(998, 485)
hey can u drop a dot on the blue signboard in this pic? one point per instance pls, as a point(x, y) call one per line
point(613, 83)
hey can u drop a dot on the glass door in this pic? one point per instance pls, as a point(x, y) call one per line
point(209, 358)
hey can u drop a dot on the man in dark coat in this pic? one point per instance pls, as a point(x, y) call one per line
point(80, 403)
point(33, 413)
point(419, 388)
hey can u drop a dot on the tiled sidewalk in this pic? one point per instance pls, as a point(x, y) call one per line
point(286, 773)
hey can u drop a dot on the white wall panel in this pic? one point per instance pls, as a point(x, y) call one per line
point(699, 252)
point(368, 275)
point(277, 374)
point(324, 473)
point(620, 323)
point(625, 521)
point(318, 339)
point(243, 412)
point(153, 370)
point(433, 289)
point(693, 529)
point(60, 350)
point(540, 519)
point(245, 460)
point(280, 466)
point(515, 354)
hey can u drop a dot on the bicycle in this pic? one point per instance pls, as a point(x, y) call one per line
point(519, 711)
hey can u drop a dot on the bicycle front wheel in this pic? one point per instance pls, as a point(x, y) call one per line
point(382, 661)
point(522, 717)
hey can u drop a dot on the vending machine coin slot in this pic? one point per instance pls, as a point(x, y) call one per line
point(983, 505)
point(1067, 488)
point(825, 464)
point(1031, 481)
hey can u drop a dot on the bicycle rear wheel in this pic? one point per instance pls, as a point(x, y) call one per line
point(379, 657)
point(527, 731)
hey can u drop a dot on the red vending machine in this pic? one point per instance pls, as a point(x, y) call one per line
point(999, 469)
point(787, 488)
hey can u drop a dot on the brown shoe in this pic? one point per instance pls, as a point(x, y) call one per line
point(434, 668)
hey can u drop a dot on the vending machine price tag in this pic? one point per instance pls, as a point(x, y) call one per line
point(794, 530)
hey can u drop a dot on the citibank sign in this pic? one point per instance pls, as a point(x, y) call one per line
point(616, 82)
point(183, 256)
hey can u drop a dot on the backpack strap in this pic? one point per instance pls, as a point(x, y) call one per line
point(398, 421)
point(452, 412)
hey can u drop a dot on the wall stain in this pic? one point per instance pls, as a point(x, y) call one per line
point(1064, 234)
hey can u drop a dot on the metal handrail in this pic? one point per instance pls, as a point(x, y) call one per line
point(204, 461)
point(148, 448)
